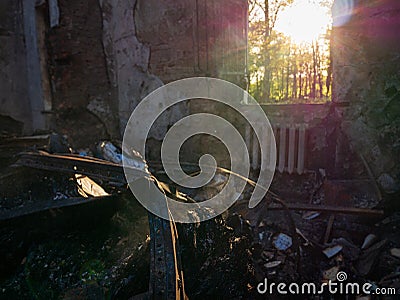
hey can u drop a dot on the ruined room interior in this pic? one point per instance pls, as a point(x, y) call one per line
point(72, 72)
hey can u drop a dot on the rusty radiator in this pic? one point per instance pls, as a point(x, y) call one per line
point(290, 147)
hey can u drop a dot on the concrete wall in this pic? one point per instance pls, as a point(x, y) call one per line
point(14, 100)
point(104, 56)
point(321, 142)
point(83, 70)
point(108, 55)
point(366, 84)
point(194, 38)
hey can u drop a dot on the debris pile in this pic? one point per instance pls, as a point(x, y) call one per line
point(66, 232)
point(230, 256)
point(70, 229)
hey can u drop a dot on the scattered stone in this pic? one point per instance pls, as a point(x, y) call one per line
point(273, 264)
point(388, 183)
point(309, 215)
point(332, 251)
point(282, 242)
point(368, 241)
point(395, 252)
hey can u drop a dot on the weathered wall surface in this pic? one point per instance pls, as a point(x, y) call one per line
point(194, 38)
point(366, 70)
point(125, 49)
point(14, 101)
point(128, 60)
point(321, 134)
point(102, 57)
point(84, 106)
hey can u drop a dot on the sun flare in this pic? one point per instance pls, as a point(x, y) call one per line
point(304, 21)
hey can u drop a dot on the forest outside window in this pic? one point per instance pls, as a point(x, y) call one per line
point(289, 51)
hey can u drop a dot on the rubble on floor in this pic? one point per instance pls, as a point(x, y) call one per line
point(63, 234)
point(261, 243)
point(101, 249)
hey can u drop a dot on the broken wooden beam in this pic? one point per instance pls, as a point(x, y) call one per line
point(73, 164)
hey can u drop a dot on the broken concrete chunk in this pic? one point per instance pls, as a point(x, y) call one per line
point(368, 241)
point(282, 242)
point(273, 264)
point(395, 252)
point(388, 183)
point(332, 251)
point(309, 215)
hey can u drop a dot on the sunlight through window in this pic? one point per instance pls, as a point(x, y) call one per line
point(289, 50)
point(304, 21)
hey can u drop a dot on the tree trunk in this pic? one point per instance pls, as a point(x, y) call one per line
point(314, 82)
point(266, 84)
point(294, 91)
point(287, 78)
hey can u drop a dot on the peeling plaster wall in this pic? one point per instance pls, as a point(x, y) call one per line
point(366, 76)
point(103, 57)
point(148, 43)
point(127, 62)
